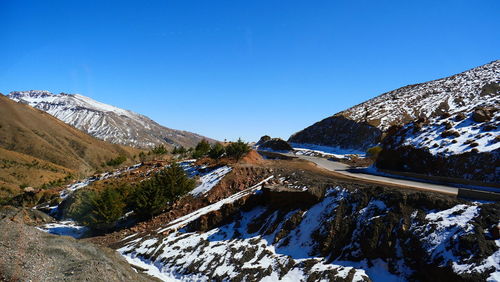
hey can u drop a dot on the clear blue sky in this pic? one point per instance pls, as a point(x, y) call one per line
point(229, 69)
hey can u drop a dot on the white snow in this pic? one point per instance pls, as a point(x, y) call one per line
point(102, 121)
point(470, 132)
point(210, 180)
point(326, 151)
point(64, 228)
point(457, 93)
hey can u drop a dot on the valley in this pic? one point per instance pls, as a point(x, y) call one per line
point(403, 187)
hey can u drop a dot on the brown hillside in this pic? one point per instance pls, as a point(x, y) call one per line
point(31, 132)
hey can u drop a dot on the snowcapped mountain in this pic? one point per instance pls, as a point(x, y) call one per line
point(363, 125)
point(104, 121)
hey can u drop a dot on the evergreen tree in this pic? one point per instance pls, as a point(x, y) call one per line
point(237, 149)
point(159, 150)
point(103, 209)
point(217, 151)
point(201, 149)
point(153, 196)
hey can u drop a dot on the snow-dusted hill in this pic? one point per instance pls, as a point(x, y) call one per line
point(457, 93)
point(104, 121)
point(367, 121)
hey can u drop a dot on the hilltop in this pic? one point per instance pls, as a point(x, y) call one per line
point(106, 122)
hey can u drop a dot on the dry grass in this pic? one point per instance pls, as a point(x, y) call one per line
point(37, 148)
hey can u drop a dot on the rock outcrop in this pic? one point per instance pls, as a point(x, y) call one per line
point(414, 235)
point(274, 144)
point(339, 131)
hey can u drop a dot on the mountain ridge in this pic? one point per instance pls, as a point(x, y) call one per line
point(457, 93)
point(106, 122)
point(44, 148)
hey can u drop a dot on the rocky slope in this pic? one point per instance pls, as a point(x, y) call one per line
point(28, 254)
point(363, 125)
point(37, 148)
point(105, 122)
point(293, 230)
point(464, 145)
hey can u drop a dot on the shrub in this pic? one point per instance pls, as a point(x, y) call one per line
point(159, 150)
point(237, 149)
point(117, 161)
point(142, 156)
point(217, 151)
point(102, 210)
point(201, 149)
point(179, 150)
point(152, 196)
point(373, 152)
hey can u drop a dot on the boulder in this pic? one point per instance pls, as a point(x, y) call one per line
point(460, 117)
point(276, 144)
point(483, 114)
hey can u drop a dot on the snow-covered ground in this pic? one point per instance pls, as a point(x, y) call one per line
point(458, 93)
point(326, 151)
point(232, 251)
point(65, 228)
point(218, 245)
point(210, 180)
point(471, 136)
point(446, 225)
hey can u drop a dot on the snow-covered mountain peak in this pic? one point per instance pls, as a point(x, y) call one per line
point(105, 121)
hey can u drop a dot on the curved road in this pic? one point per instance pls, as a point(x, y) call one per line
point(341, 168)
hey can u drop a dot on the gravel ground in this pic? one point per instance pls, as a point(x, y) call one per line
point(28, 254)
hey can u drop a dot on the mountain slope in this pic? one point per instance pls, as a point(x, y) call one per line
point(105, 122)
point(35, 140)
point(363, 125)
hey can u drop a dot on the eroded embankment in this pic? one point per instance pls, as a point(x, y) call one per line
point(326, 233)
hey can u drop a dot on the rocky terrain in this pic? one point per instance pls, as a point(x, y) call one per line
point(364, 125)
point(294, 232)
point(105, 122)
point(28, 254)
point(258, 220)
point(463, 145)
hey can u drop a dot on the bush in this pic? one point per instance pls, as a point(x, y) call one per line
point(217, 151)
point(152, 196)
point(237, 149)
point(101, 211)
point(179, 150)
point(142, 156)
point(117, 161)
point(373, 152)
point(159, 150)
point(201, 149)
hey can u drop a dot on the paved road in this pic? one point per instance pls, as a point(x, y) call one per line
point(344, 169)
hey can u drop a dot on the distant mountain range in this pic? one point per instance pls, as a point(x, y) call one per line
point(364, 125)
point(104, 121)
point(36, 148)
